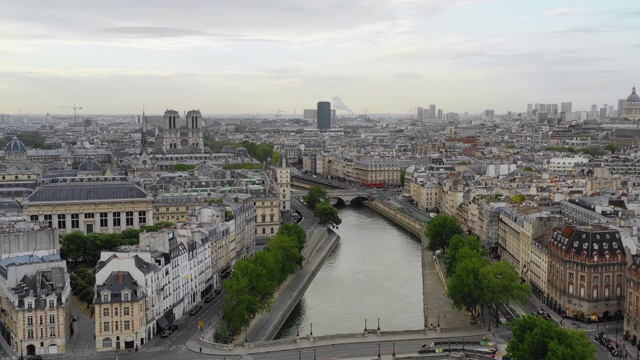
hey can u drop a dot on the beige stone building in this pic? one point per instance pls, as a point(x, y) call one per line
point(91, 204)
point(267, 216)
point(35, 312)
point(376, 170)
point(632, 313)
point(587, 268)
point(120, 313)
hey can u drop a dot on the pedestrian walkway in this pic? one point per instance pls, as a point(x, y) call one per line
point(82, 342)
point(163, 348)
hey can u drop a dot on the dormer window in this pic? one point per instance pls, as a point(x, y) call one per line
point(105, 298)
point(29, 305)
point(615, 245)
point(125, 296)
point(605, 245)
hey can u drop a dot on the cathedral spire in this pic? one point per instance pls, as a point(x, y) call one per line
point(143, 136)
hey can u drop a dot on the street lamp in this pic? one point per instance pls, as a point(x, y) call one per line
point(378, 324)
point(314, 354)
point(299, 354)
point(379, 351)
point(394, 350)
point(462, 344)
point(21, 356)
point(311, 333)
point(365, 325)
point(438, 320)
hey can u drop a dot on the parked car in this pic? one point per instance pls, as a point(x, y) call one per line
point(166, 333)
point(216, 292)
point(173, 327)
point(193, 312)
point(34, 357)
point(208, 299)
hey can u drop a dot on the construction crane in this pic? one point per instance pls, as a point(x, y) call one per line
point(278, 112)
point(75, 111)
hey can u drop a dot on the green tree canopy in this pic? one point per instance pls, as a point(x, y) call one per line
point(403, 172)
point(296, 232)
point(440, 230)
point(327, 214)
point(275, 157)
point(464, 287)
point(315, 195)
point(454, 254)
point(519, 199)
point(535, 338)
point(501, 285)
point(611, 148)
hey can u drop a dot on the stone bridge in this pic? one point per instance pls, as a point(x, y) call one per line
point(347, 196)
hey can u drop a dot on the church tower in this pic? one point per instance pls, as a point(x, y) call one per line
point(283, 180)
point(194, 137)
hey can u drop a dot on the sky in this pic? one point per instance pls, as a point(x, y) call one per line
point(265, 56)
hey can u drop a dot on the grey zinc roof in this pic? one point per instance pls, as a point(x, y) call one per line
point(87, 191)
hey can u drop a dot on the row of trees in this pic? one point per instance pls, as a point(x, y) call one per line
point(318, 200)
point(251, 288)
point(82, 282)
point(474, 282)
point(261, 152)
point(31, 139)
point(78, 247)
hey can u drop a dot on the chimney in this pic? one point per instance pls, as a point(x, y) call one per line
point(120, 277)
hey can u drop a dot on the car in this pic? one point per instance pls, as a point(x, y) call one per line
point(34, 357)
point(216, 292)
point(193, 312)
point(166, 333)
point(173, 327)
point(208, 299)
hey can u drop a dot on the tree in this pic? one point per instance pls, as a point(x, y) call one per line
point(519, 199)
point(328, 214)
point(535, 338)
point(501, 285)
point(296, 232)
point(316, 195)
point(611, 148)
point(275, 157)
point(528, 169)
point(455, 255)
point(465, 286)
point(440, 230)
point(402, 175)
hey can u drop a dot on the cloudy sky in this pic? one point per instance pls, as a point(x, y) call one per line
point(256, 56)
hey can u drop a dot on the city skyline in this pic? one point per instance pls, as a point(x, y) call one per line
point(252, 57)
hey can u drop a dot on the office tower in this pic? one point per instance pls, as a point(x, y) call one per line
point(610, 111)
point(529, 110)
point(620, 107)
point(432, 111)
point(439, 113)
point(420, 113)
point(603, 113)
point(548, 108)
point(324, 115)
point(594, 107)
point(569, 107)
point(310, 114)
point(563, 107)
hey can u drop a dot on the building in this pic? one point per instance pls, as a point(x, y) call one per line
point(324, 115)
point(310, 114)
point(587, 267)
point(15, 152)
point(632, 314)
point(34, 298)
point(120, 314)
point(177, 138)
point(632, 106)
point(92, 204)
point(432, 111)
point(283, 182)
point(377, 171)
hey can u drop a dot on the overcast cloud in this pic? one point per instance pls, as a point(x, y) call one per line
point(249, 56)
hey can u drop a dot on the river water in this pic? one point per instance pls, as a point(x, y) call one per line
point(374, 272)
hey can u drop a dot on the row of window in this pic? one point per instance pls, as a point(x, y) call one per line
point(104, 219)
point(52, 320)
point(126, 326)
point(125, 310)
point(31, 333)
point(52, 304)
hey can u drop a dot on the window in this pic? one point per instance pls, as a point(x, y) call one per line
point(41, 333)
point(75, 221)
point(30, 334)
point(116, 219)
point(125, 311)
point(105, 312)
point(29, 305)
point(106, 342)
point(52, 331)
point(52, 318)
point(52, 304)
point(105, 326)
point(48, 218)
point(129, 218)
point(142, 217)
point(30, 320)
point(104, 220)
point(89, 215)
point(33, 217)
point(127, 325)
point(62, 221)
point(125, 297)
point(115, 311)
point(116, 326)
point(105, 298)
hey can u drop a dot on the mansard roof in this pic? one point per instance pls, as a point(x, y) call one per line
point(87, 191)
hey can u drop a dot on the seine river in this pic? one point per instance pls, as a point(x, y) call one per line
point(374, 272)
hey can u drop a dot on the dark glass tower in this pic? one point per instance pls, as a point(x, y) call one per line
point(324, 115)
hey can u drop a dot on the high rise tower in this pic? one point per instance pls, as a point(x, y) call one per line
point(324, 115)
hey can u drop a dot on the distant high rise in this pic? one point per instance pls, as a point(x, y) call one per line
point(610, 111)
point(620, 108)
point(419, 113)
point(324, 115)
point(529, 110)
point(310, 114)
point(569, 107)
point(594, 107)
point(432, 111)
point(603, 113)
point(439, 113)
point(563, 107)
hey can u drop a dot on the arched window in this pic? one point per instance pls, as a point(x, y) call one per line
point(570, 289)
point(106, 342)
point(594, 293)
point(581, 291)
point(606, 292)
point(618, 291)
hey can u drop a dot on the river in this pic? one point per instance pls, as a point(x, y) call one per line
point(373, 272)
